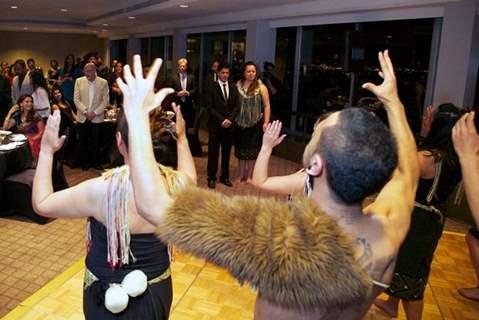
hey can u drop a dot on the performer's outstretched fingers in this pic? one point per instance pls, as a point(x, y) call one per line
point(137, 67)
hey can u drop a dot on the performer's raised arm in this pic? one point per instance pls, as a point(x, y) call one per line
point(288, 184)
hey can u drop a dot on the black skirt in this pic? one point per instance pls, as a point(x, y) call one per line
point(248, 141)
point(415, 256)
point(153, 304)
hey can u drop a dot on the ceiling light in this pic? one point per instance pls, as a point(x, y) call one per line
point(132, 17)
point(64, 10)
point(105, 24)
point(184, 5)
point(13, 7)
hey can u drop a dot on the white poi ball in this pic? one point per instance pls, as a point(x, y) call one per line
point(135, 283)
point(116, 299)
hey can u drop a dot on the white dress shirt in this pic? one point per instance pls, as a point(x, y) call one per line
point(91, 92)
point(222, 86)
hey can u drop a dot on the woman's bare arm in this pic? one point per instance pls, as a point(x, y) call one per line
point(79, 201)
point(287, 184)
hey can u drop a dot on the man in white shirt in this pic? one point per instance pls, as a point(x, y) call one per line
point(91, 96)
point(22, 83)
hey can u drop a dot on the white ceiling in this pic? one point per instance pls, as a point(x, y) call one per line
point(110, 17)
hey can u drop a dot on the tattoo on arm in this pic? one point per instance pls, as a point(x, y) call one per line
point(367, 251)
point(376, 268)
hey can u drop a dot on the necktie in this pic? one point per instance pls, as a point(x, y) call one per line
point(225, 93)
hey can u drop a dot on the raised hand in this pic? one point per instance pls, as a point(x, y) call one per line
point(271, 136)
point(465, 138)
point(138, 92)
point(427, 121)
point(51, 143)
point(387, 91)
point(180, 124)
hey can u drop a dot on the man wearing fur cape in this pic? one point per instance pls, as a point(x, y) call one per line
point(324, 257)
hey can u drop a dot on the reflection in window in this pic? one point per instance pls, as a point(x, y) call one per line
point(337, 59)
point(118, 50)
point(193, 54)
point(323, 84)
point(238, 48)
point(227, 47)
point(282, 99)
point(153, 48)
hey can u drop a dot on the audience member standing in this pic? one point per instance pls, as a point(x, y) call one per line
point(68, 74)
point(31, 64)
point(5, 97)
point(41, 101)
point(185, 86)
point(211, 76)
point(223, 106)
point(22, 83)
point(6, 73)
point(116, 96)
point(91, 97)
point(102, 69)
point(53, 73)
point(252, 120)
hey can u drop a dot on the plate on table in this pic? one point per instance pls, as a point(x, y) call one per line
point(5, 133)
point(7, 147)
point(18, 137)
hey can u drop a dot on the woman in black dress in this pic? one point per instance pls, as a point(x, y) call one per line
point(440, 173)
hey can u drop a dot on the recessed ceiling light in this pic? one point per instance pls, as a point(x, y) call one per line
point(105, 24)
point(184, 5)
point(132, 17)
point(13, 7)
point(63, 10)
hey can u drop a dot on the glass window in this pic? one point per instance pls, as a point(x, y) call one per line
point(323, 83)
point(238, 48)
point(145, 51)
point(337, 59)
point(118, 50)
point(409, 43)
point(169, 50)
point(282, 75)
point(193, 52)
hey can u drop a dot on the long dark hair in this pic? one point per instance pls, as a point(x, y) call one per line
point(253, 86)
point(164, 146)
point(439, 140)
point(65, 63)
point(63, 100)
point(31, 113)
point(38, 80)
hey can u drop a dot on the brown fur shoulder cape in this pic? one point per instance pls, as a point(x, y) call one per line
point(295, 254)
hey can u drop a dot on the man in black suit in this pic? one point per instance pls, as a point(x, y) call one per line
point(223, 106)
point(185, 86)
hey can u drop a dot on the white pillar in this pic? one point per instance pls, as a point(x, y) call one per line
point(458, 55)
point(260, 42)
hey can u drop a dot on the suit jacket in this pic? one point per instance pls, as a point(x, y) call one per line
point(17, 91)
point(219, 109)
point(175, 83)
point(100, 100)
point(186, 105)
